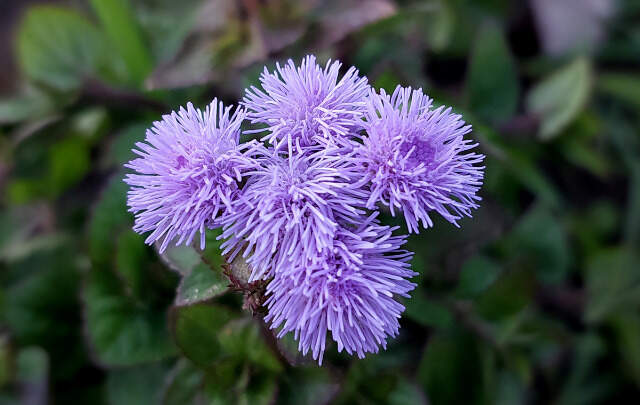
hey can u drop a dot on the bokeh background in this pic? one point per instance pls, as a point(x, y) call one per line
point(533, 301)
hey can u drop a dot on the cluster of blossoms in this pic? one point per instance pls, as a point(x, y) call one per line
point(301, 205)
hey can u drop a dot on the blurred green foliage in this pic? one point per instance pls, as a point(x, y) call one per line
point(534, 300)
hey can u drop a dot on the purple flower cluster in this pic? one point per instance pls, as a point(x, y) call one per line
point(302, 205)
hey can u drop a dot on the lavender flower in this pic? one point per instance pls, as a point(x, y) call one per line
point(297, 211)
point(416, 158)
point(348, 290)
point(187, 174)
point(301, 105)
point(290, 207)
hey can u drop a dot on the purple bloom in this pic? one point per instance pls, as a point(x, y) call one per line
point(348, 290)
point(303, 212)
point(416, 158)
point(187, 174)
point(290, 207)
point(303, 105)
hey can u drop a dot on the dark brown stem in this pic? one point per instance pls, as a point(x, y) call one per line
point(101, 93)
point(564, 301)
point(525, 125)
point(464, 314)
point(272, 342)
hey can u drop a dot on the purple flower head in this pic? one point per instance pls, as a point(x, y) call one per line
point(290, 207)
point(188, 173)
point(417, 160)
point(348, 290)
point(299, 105)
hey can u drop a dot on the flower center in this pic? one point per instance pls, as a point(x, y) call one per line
point(181, 162)
point(421, 151)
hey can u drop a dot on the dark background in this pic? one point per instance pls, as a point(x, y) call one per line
point(534, 300)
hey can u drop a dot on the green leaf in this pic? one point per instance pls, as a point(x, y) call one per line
point(260, 392)
point(559, 98)
point(527, 172)
point(22, 191)
point(212, 255)
point(406, 393)
point(224, 383)
point(68, 163)
point(182, 384)
point(426, 312)
point(595, 224)
point(59, 47)
point(110, 216)
point(584, 154)
point(446, 361)
point(32, 365)
point(613, 283)
point(21, 248)
point(242, 388)
point(123, 326)
point(518, 164)
point(44, 291)
point(120, 331)
point(625, 87)
point(477, 274)
point(626, 327)
point(586, 383)
point(308, 385)
point(35, 302)
point(242, 338)
point(195, 330)
point(166, 27)
point(387, 80)
point(120, 25)
point(15, 231)
point(492, 84)
point(131, 258)
point(440, 26)
point(90, 124)
point(201, 284)
point(181, 259)
point(542, 242)
point(507, 297)
point(136, 385)
point(31, 104)
point(288, 347)
point(510, 390)
point(120, 151)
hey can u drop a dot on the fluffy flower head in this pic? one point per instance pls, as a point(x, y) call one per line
point(348, 290)
point(417, 159)
point(300, 105)
point(291, 206)
point(187, 173)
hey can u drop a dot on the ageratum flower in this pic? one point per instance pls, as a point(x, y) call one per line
point(349, 290)
point(188, 173)
point(416, 158)
point(290, 207)
point(301, 105)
